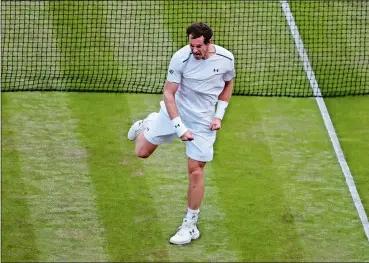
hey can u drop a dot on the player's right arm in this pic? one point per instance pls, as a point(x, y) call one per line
point(170, 88)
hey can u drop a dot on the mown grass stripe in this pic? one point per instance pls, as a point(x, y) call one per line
point(59, 192)
point(166, 172)
point(132, 229)
point(251, 187)
point(17, 235)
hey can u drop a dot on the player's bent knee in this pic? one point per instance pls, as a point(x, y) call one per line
point(144, 148)
point(143, 153)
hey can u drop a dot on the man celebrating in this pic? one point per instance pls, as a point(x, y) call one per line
point(199, 77)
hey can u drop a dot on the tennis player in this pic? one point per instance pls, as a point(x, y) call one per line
point(199, 78)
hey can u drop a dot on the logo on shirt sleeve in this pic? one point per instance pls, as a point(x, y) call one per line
point(171, 71)
point(215, 70)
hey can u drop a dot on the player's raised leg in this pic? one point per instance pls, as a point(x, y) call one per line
point(143, 148)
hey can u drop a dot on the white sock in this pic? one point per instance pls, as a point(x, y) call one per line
point(193, 214)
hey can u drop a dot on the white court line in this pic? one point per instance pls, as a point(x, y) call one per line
point(327, 120)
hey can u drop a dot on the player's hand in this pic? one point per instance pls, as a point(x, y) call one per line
point(215, 124)
point(187, 136)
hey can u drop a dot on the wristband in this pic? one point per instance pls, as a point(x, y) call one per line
point(179, 127)
point(221, 108)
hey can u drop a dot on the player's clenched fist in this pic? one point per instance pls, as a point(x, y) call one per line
point(215, 124)
point(187, 136)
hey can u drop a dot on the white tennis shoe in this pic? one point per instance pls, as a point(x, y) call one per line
point(140, 125)
point(186, 232)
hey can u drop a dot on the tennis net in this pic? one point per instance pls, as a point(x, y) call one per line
point(126, 46)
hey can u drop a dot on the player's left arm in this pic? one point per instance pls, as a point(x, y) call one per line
point(223, 101)
point(226, 94)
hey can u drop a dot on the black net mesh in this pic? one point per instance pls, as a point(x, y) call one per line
point(125, 46)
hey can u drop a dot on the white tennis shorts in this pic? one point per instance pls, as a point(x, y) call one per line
point(161, 131)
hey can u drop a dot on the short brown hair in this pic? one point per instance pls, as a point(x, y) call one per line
point(199, 29)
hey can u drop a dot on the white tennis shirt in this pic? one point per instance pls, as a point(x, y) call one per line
point(200, 81)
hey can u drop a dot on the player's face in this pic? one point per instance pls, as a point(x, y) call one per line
point(199, 49)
